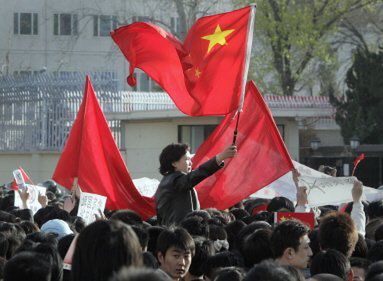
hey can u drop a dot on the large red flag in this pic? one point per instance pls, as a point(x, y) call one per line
point(262, 156)
point(205, 75)
point(91, 155)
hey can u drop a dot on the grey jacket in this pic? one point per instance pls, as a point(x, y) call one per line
point(176, 196)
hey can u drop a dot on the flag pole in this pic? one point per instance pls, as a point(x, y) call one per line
point(250, 30)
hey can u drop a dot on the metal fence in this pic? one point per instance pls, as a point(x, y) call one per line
point(37, 111)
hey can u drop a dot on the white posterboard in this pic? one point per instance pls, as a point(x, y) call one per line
point(32, 201)
point(89, 206)
point(146, 186)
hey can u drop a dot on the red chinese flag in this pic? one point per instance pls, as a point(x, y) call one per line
point(91, 155)
point(205, 74)
point(262, 156)
point(306, 218)
point(26, 178)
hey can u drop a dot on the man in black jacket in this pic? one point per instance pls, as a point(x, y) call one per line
point(176, 196)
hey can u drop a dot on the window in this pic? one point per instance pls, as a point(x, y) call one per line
point(140, 18)
point(102, 25)
point(65, 24)
point(144, 83)
point(25, 23)
point(194, 135)
point(281, 129)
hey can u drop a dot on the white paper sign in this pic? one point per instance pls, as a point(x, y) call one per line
point(32, 201)
point(322, 189)
point(89, 206)
point(147, 187)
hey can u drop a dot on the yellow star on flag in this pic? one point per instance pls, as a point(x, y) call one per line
point(218, 37)
point(284, 218)
point(197, 72)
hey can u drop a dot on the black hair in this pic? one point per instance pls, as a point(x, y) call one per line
point(239, 213)
point(170, 154)
point(196, 226)
point(287, 234)
point(280, 202)
point(221, 259)
point(360, 247)
point(360, 262)
point(154, 232)
point(175, 237)
point(142, 235)
point(331, 261)
point(149, 260)
point(375, 269)
point(102, 248)
point(27, 266)
point(294, 272)
point(127, 216)
point(64, 244)
point(232, 229)
point(314, 241)
point(139, 274)
point(376, 252)
point(268, 270)
point(232, 273)
point(375, 209)
point(199, 213)
point(29, 227)
point(379, 233)
point(203, 250)
point(257, 247)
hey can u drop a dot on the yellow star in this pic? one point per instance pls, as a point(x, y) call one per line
point(197, 72)
point(218, 37)
point(283, 218)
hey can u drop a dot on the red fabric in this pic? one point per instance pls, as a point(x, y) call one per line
point(258, 209)
point(26, 178)
point(306, 218)
point(91, 155)
point(201, 78)
point(357, 161)
point(262, 156)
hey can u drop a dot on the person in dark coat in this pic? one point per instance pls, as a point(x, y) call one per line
point(176, 196)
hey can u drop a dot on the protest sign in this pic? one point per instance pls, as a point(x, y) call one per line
point(306, 218)
point(322, 189)
point(90, 205)
point(32, 202)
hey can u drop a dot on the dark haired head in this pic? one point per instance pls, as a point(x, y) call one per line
point(232, 230)
point(337, 231)
point(29, 227)
point(257, 247)
point(196, 226)
point(127, 216)
point(170, 154)
point(139, 274)
point(27, 266)
point(376, 252)
point(102, 248)
point(375, 269)
point(175, 237)
point(142, 235)
point(375, 209)
point(232, 273)
point(287, 234)
point(219, 260)
point(239, 213)
point(268, 270)
point(154, 232)
point(278, 203)
point(203, 250)
point(331, 261)
point(360, 247)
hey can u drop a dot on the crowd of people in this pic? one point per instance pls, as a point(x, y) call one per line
point(186, 243)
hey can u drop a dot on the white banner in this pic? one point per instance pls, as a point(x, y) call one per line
point(90, 205)
point(147, 187)
point(32, 202)
point(322, 189)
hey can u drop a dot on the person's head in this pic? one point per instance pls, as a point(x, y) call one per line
point(175, 249)
point(331, 171)
point(142, 235)
point(231, 273)
point(218, 235)
point(138, 274)
point(102, 248)
point(256, 247)
point(278, 203)
point(175, 157)
point(294, 272)
point(29, 266)
point(196, 226)
point(221, 260)
point(154, 232)
point(333, 262)
point(360, 247)
point(58, 227)
point(204, 248)
point(29, 227)
point(379, 233)
point(325, 277)
point(359, 267)
point(290, 244)
point(127, 216)
point(375, 271)
point(375, 253)
point(268, 270)
point(232, 230)
point(375, 209)
point(337, 231)
point(64, 244)
point(239, 213)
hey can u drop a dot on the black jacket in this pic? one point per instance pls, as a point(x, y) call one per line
point(176, 196)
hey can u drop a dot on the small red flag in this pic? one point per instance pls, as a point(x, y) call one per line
point(262, 156)
point(306, 218)
point(91, 155)
point(26, 178)
point(357, 161)
point(205, 75)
